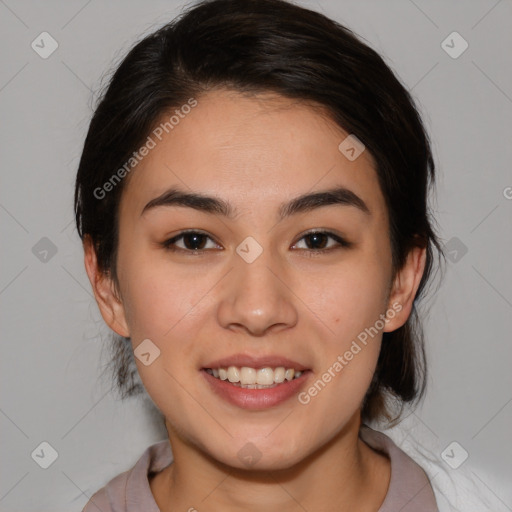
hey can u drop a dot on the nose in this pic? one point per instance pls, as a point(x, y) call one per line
point(258, 297)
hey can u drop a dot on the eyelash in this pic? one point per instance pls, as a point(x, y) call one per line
point(169, 244)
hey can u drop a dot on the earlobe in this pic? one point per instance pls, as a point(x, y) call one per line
point(404, 288)
point(109, 304)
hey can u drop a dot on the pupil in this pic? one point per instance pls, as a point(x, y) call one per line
point(194, 236)
point(315, 236)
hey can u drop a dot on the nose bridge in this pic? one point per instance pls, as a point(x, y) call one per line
point(257, 297)
point(252, 270)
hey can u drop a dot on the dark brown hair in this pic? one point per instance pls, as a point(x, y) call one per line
point(256, 46)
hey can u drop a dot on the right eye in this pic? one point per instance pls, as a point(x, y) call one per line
point(193, 242)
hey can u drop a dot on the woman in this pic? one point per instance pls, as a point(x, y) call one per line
point(252, 200)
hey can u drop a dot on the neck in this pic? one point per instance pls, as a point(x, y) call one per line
point(345, 471)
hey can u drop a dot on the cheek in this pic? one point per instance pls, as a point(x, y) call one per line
point(158, 296)
point(349, 299)
point(350, 304)
point(171, 309)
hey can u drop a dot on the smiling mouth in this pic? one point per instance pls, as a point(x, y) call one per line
point(252, 378)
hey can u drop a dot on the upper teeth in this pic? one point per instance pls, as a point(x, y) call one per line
point(263, 376)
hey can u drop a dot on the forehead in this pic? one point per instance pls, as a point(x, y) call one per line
point(253, 151)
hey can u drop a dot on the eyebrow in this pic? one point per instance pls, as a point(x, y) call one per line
point(217, 206)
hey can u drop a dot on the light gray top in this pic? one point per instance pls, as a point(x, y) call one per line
point(409, 488)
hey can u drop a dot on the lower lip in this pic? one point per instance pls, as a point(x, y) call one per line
point(256, 398)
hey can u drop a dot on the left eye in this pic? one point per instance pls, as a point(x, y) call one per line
point(318, 241)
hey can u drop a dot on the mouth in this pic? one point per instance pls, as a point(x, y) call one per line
point(259, 386)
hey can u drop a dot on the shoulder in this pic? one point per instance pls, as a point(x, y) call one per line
point(131, 488)
point(409, 488)
point(110, 497)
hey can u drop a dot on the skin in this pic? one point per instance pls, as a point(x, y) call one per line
point(257, 152)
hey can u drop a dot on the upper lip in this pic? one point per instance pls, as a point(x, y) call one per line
point(256, 362)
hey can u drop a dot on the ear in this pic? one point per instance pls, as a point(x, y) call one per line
point(110, 305)
point(404, 288)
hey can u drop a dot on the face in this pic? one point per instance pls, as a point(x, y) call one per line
point(251, 287)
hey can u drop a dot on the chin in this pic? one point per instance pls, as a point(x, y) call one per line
point(259, 453)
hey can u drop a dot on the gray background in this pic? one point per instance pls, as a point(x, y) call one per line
point(53, 337)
